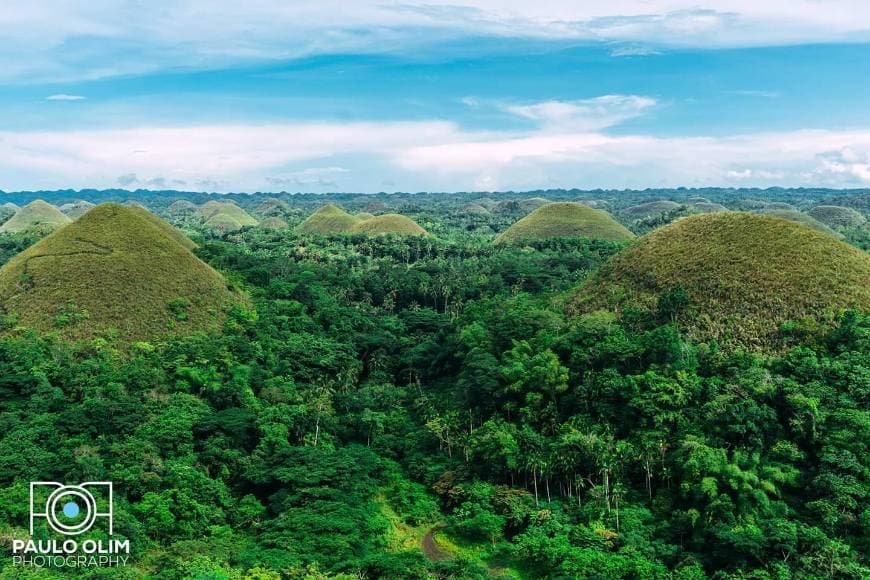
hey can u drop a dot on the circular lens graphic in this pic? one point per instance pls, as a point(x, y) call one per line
point(71, 510)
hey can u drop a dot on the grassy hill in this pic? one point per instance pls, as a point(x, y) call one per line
point(182, 207)
point(801, 218)
point(76, 210)
point(272, 207)
point(708, 207)
point(223, 223)
point(390, 223)
point(329, 219)
point(649, 209)
point(114, 268)
point(212, 208)
point(533, 203)
point(474, 209)
point(35, 215)
point(273, 223)
point(561, 220)
point(836, 216)
point(745, 274)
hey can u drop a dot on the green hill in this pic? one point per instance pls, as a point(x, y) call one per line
point(181, 207)
point(76, 210)
point(114, 268)
point(794, 215)
point(5, 214)
point(649, 209)
point(474, 209)
point(708, 207)
point(272, 207)
point(329, 219)
point(745, 274)
point(565, 220)
point(35, 215)
point(273, 223)
point(836, 216)
point(212, 208)
point(389, 223)
point(533, 203)
point(223, 223)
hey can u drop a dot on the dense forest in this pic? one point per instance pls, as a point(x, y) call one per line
point(431, 407)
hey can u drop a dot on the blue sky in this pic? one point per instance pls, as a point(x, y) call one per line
point(473, 95)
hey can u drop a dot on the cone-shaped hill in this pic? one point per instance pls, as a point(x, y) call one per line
point(181, 207)
point(76, 210)
point(114, 268)
point(649, 209)
point(223, 223)
point(744, 274)
point(565, 220)
point(273, 223)
point(389, 223)
point(329, 219)
point(35, 215)
point(837, 216)
point(211, 209)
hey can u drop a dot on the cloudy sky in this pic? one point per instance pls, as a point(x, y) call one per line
point(268, 95)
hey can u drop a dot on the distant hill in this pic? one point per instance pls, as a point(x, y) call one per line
point(76, 209)
point(474, 209)
point(568, 219)
point(744, 274)
point(801, 218)
point(329, 219)
point(390, 223)
point(35, 215)
point(212, 208)
point(836, 216)
point(272, 207)
point(223, 223)
point(116, 268)
point(649, 209)
point(708, 207)
point(273, 223)
point(181, 207)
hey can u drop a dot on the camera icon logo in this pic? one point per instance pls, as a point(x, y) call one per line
point(71, 509)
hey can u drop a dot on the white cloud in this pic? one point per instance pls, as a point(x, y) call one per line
point(421, 155)
point(584, 115)
point(63, 39)
point(64, 97)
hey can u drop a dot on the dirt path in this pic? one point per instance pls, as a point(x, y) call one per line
point(431, 548)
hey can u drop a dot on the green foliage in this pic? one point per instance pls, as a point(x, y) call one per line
point(376, 391)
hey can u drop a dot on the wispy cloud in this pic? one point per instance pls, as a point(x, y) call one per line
point(584, 115)
point(61, 40)
point(64, 97)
